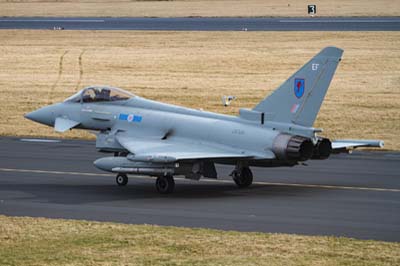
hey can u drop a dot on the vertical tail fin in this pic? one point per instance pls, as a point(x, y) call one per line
point(299, 98)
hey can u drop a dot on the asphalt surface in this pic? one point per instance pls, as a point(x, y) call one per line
point(354, 195)
point(206, 24)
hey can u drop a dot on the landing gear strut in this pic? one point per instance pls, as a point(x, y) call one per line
point(121, 179)
point(243, 177)
point(165, 184)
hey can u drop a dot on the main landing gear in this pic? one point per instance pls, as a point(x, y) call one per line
point(243, 177)
point(165, 184)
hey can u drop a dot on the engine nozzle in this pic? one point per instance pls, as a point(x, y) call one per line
point(322, 150)
point(292, 148)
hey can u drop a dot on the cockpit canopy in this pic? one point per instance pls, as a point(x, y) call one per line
point(100, 94)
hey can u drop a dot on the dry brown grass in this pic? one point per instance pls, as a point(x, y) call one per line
point(186, 8)
point(195, 68)
point(38, 241)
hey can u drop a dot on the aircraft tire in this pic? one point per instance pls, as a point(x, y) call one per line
point(165, 184)
point(244, 178)
point(121, 179)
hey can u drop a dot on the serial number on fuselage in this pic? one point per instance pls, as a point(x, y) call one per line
point(238, 131)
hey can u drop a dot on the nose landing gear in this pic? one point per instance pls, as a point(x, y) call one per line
point(121, 179)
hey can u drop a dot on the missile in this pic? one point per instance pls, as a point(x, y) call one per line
point(125, 165)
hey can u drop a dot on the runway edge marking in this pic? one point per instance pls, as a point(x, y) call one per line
point(207, 180)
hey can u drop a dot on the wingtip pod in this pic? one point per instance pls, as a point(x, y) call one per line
point(381, 144)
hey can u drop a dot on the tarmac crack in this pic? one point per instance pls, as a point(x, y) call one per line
point(60, 71)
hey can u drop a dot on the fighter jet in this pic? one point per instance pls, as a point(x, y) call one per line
point(162, 140)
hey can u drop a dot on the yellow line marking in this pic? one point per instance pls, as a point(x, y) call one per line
point(207, 180)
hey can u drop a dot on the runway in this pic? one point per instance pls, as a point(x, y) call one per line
point(354, 195)
point(207, 24)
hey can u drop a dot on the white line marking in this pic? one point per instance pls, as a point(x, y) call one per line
point(337, 21)
point(55, 20)
point(208, 180)
point(41, 140)
point(51, 172)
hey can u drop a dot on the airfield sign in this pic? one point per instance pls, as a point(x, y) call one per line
point(312, 10)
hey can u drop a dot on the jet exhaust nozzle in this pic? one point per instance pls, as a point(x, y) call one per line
point(292, 148)
point(322, 150)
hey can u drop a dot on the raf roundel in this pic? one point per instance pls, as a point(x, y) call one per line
point(299, 87)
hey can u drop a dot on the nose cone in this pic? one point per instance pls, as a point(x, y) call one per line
point(43, 115)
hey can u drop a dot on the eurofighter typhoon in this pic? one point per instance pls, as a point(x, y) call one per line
point(162, 140)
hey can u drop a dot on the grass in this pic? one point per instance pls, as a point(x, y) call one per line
point(195, 69)
point(209, 8)
point(39, 241)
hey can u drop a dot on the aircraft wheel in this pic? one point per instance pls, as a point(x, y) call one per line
point(243, 178)
point(165, 184)
point(121, 179)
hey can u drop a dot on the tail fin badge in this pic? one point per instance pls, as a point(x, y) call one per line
point(299, 87)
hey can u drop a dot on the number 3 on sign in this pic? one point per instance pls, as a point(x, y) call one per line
point(312, 9)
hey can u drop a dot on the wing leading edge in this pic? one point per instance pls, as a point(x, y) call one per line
point(344, 145)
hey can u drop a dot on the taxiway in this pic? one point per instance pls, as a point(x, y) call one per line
point(355, 195)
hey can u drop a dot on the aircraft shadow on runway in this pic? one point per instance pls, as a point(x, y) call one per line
point(137, 190)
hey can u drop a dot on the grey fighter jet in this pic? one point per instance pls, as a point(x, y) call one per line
point(162, 140)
